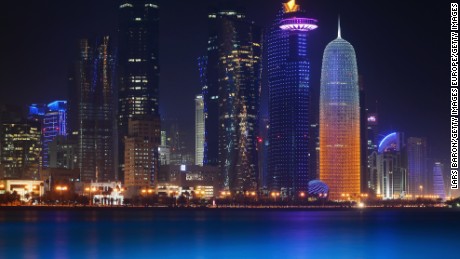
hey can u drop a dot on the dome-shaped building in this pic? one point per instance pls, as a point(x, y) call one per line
point(317, 188)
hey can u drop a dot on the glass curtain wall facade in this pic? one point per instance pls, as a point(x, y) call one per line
point(439, 188)
point(417, 171)
point(53, 120)
point(139, 69)
point(231, 98)
point(94, 80)
point(289, 99)
point(199, 129)
point(340, 155)
point(54, 124)
point(392, 167)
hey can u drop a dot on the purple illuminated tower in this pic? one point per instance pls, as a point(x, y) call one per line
point(289, 100)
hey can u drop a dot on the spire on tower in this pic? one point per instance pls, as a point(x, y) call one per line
point(339, 35)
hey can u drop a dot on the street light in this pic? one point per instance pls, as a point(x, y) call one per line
point(225, 193)
point(90, 190)
point(60, 189)
point(274, 195)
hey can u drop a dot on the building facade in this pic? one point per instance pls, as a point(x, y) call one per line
point(63, 152)
point(289, 99)
point(141, 153)
point(199, 129)
point(439, 187)
point(371, 151)
point(391, 162)
point(340, 155)
point(417, 171)
point(231, 84)
point(195, 177)
point(20, 155)
point(53, 120)
point(139, 69)
point(26, 189)
point(95, 70)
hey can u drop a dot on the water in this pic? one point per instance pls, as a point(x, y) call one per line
point(229, 233)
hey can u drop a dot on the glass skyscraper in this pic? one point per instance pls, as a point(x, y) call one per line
point(231, 84)
point(138, 38)
point(199, 129)
point(96, 118)
point(340, 156)
point(439, 189)
point(53, 121)
point(289, 99)
point(417, 171)
point(391, 182)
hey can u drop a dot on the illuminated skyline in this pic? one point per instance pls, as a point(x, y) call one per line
point(390, 81)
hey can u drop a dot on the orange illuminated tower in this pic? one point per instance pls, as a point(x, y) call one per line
point(339, 121)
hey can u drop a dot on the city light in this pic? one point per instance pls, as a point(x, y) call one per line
point(234, 134)
point(61, 188)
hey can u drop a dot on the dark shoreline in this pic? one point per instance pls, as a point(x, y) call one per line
point(138, 208)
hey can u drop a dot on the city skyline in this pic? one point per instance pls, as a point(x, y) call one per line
point(392, 82)
point(228, 129)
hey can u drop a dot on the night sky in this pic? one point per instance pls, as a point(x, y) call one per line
point(402, 50)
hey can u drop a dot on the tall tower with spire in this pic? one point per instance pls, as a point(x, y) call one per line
point(289, 100)
point(339, 120)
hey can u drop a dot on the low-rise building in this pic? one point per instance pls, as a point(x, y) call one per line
point(26, 189)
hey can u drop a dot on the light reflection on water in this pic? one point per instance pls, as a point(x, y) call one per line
point(238, 233)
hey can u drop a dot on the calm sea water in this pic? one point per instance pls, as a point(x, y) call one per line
point(229, 233)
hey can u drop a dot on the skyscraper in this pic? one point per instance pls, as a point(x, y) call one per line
point(340, 156)
point(231, 86)
point(53, 120)
point(371, 151)
point(63, 152)
point(199, 129)
point(95, 101)
point(20, 144)
point(141, 153)
point(363, 136)
point(392, 167)
point(439, 188)
point(417, 172)
point(138, 37)
point(289, 98)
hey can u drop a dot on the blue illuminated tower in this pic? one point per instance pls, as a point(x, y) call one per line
point(54, 124)
point(289, 87)
point(53, 121)
point(417, 171)
point(439, 188)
